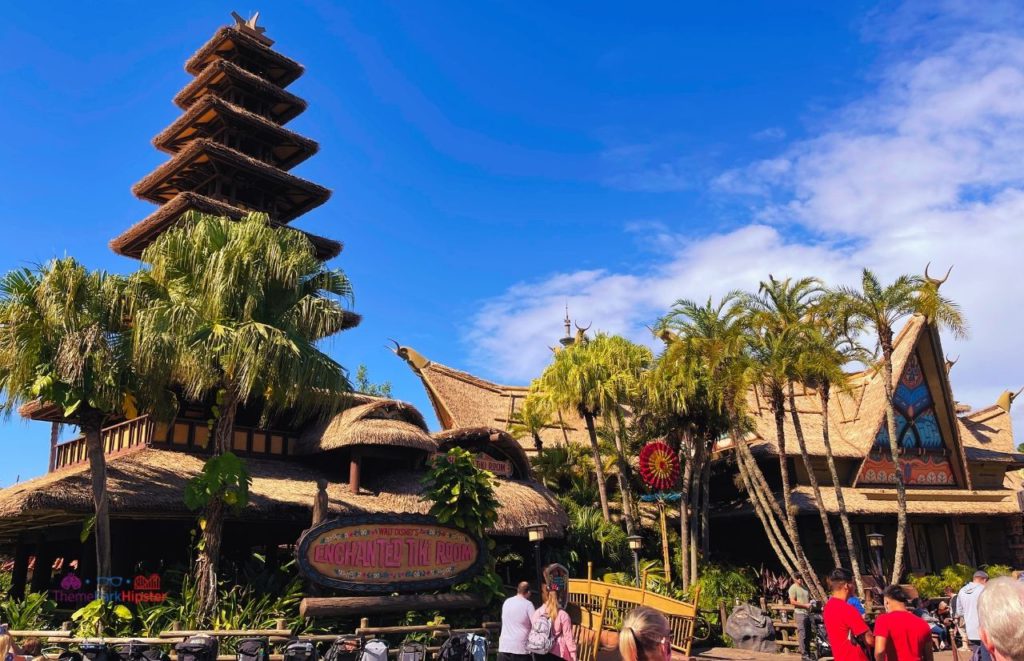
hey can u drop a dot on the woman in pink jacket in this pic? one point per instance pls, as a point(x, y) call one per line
point(563, 646)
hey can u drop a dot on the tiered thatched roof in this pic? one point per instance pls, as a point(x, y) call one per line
point(149, 482)
point(283, 106)
point(386, 422)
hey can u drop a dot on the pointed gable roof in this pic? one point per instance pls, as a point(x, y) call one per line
point(463, 400)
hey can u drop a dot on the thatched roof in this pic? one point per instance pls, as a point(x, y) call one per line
point(229, 42)
point(289, 149)
point(386, 422)
point(219, 74)
point(149, 482)
point(295, 196)
point(134, 240)
point(462, 400)
point(487, 438)
point(865, 500)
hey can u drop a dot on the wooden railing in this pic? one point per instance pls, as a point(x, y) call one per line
point(612, 602)
point(119, 437)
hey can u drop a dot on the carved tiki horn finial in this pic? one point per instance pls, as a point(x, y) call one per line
point(950, 363)
point(936, 281)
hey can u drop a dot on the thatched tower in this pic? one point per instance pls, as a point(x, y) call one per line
point(230, 153)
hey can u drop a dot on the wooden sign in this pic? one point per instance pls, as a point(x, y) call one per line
point(487, 463)
point(388, 553)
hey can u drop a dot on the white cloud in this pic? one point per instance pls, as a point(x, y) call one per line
point(770, 134)
point(925, 169)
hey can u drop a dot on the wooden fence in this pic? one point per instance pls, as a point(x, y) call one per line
point(608, 604)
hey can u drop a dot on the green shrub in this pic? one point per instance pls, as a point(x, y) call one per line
point(720, 583)
point(930, 586)
point(35, 611)
point(995, 571)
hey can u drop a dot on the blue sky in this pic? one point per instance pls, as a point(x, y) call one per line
point(491, 162)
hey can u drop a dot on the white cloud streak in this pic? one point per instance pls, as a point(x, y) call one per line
point(928, 168)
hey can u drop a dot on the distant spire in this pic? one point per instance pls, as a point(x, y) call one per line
point(568, 339)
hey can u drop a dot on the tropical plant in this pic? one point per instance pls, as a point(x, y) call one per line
point(233, 310)
point(363, 384)
point(533, 417)
point(33, 612)
point(720, 583)
point(880, 307)
point(462, 495)
point(103, 617)
point(589, 538)
point(64, 343)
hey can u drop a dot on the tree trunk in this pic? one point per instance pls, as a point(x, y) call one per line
point(844, 518)
point(666, 557)
point(705, 507)
point(775, 538)
point(810, 578)
point(625, 487)
point(823, 515)
point(602, 488)
point(894, 451)
point(684, 509)
point(208, 557)
point(538, 444)
point(54, 438)
point(92, 429)
point(779, 411)
point(698, 460)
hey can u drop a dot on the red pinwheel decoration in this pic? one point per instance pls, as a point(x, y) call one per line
point(659, 465)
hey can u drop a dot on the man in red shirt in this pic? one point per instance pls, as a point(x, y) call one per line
point(899, 634)
point(845, 627)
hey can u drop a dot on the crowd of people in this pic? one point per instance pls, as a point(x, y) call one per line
point(986, 616)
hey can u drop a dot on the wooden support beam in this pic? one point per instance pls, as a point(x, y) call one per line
point(348, 606)
point(354, 467)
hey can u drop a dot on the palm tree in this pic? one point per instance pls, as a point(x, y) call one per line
point(881, 308)
point(569, 383)
point(63, 342)
point(821, 368)
point(233, 310)
point(714, 342)
point(533, 417)
point(780, 315)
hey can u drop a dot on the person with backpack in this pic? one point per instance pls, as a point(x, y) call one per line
point(516, 624)
point(551, 632)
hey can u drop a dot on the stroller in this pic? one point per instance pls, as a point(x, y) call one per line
point(818, 635)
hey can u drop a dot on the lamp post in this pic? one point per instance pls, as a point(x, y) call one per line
point(535, 533)
point(636, 542)
point(875, 541)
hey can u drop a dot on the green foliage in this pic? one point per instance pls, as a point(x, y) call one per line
point(722, 583)
point(34, 612)
point(103, 618)
point(255, 599)
point(223, 476)
point(462, 495)
point(933, 586)
point(590, 538)
point(930, 586)
point(364, 385)
point(5, 582)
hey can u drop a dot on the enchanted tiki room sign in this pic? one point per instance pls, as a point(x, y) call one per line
point(388, 553)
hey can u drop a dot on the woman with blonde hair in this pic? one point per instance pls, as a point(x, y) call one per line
point(7, 648)
point(563, 646)
point(645, 636)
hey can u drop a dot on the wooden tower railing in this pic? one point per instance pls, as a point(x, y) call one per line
point(608, 604)
point(116, 438)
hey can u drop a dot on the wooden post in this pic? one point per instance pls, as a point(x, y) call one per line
point(320, 502)
point(44, 567)
point(664, 542)
point(364, 623)
point(354, 465)
point(722, 617)
point(54, 437)
point(20, 573)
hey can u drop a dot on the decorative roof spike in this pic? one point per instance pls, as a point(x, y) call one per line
point(1005, 400)
point(950, 363)
point(935, 281)
point(581, 333)
point(250, 28)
